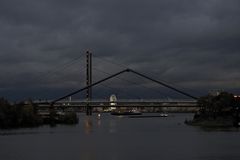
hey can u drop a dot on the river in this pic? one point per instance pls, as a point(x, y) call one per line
point(121, 138)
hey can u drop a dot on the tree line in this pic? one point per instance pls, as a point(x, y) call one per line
point(26, 115)
point(219, 110)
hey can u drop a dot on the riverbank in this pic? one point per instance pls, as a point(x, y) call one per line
point(219, 122)
point(22, 115)
point(220, 110)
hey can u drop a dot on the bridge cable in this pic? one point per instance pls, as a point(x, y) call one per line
point(125, 66)
point(131, 82)
point(120, 90)
point(57, 69)
point(117, 74)
point(93, 84)
point(163, 84)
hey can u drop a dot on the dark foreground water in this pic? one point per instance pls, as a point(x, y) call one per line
point(121, 138)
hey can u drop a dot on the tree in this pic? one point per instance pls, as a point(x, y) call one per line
point(215, 106)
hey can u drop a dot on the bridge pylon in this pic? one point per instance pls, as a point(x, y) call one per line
point(88, 82)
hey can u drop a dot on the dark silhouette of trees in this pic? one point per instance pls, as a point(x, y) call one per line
point(18, 115)
point(220, 110)
point(26, 115)
point(214, 106)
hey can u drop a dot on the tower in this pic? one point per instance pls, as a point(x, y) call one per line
point(88, 82)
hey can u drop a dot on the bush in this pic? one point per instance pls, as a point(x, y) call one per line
point(18, 115)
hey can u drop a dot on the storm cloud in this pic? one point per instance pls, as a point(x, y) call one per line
point(191, 44)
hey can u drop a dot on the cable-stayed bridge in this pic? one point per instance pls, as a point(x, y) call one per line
point(89, 103)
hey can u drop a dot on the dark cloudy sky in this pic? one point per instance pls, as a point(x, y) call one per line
point(192, 44)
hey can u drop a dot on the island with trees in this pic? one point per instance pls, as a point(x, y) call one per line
point(221, 110)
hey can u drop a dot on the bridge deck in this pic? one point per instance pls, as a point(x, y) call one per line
point(121, 104)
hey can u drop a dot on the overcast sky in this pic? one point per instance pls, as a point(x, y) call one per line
point(191, 44)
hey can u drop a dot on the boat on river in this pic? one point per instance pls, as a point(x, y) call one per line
point(163, 115)
point(128, 112)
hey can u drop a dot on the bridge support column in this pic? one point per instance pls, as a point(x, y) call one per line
point(89, 82)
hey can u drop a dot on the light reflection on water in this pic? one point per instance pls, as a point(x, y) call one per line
point(116, 138)
point(88, 125)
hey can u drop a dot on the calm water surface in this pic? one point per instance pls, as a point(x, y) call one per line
point(121, 138)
